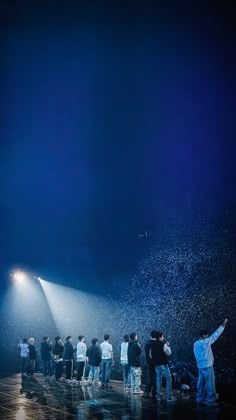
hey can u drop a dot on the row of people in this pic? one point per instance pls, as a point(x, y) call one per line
point(157, 353)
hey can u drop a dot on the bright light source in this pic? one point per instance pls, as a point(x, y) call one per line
point(39, 278)
point(18, 276)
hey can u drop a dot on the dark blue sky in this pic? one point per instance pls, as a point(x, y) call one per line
point(114, 119)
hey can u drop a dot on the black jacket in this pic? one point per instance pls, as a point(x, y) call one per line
point(148, 352)
point(58, 350)
point(32, 352)
point(157, 353)
point(94, 355)
point(46, 349)
point(134, 352)
point(69, 351)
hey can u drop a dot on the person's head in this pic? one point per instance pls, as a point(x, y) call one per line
point(159, 336)
point(153, 334)
point(69, 339)
point(126, 338)
point(31, 340)
point(24, 341)
point(58, 339)
point(106, 337)
point(133, 336)
point(94, 341)
point(81, 338)
point(46, 339)
point(204, 333)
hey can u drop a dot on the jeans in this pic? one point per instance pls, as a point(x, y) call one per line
point(106, 370)
point(24, 364)
point(206, 385)
point(93, 373)
point(151, 380)
point(69, 369)
point(58, 370)
point(47, 368)
point(31, 366)
point(80, 370)
point(126, 374)
point(163, 370)
point(135, 375)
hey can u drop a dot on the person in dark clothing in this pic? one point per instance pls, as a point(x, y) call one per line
point(69, 358)
point(94, 355)
point(32, 357)
point(46, 349)
point(151, 372)
point(58, 350)
point(160, 352)
point(134, 352)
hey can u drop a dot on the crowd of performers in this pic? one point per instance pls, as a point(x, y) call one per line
point(99, 358)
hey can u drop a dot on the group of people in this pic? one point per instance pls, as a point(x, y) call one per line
point(157, 353)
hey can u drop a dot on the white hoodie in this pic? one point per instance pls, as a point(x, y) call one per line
point(202, 349)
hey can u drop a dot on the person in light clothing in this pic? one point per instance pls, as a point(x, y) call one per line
point(124, 362)
point(24, 355)
point(206, 391)
point(81, 357)
point(107, 361)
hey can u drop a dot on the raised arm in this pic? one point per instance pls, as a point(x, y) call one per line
point(213, 337)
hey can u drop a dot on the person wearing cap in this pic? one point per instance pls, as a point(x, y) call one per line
point(206, 390)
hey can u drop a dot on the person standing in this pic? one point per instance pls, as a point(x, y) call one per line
point(81, 358)
point(69, 358)
point(58, 350)
point(134, 352)
point(24, 355)
point(160, 352)
point(94, 359)
point(107, 361)
point(151, 372)
point(124, 362)
point(32, 357)
point(206, 390)
point(46, 349)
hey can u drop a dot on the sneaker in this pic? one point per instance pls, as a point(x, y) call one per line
point(103, 386)
point(108, 386)
point(171, 399)
point(138, 391)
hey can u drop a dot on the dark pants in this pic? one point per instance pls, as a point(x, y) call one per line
point(80, 370)
point(47, 368)
point(69, 369)
point(24, 364)
point(151, 381)
point(31, 367)
point(58, 370)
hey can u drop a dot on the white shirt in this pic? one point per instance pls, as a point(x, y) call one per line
point(202, 349)
point(24, 349)
point(167, 349)
point(106, 350)
point(124, 353)
point(81, 351)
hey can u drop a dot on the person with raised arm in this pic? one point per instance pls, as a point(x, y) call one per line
point(206, 390)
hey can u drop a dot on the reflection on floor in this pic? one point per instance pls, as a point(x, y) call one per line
point(36, 399)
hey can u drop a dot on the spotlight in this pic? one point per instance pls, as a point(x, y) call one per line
point(39, 278)
point(18, 276)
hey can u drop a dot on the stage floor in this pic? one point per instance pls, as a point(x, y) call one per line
point(36, 399)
